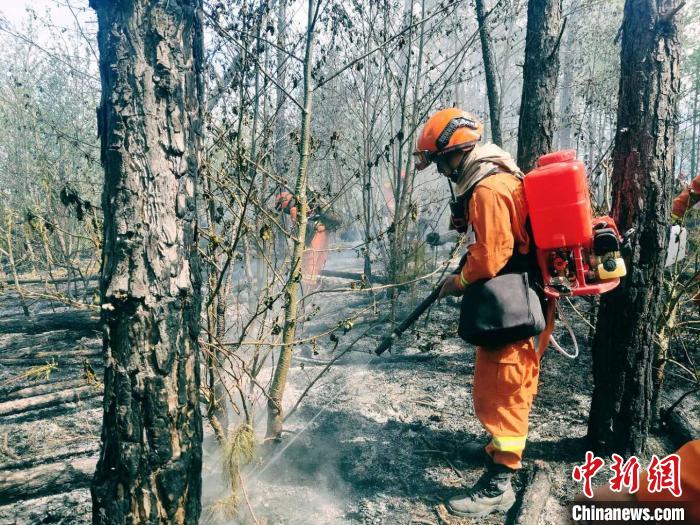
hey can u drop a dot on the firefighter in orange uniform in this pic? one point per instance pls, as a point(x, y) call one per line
point(320, 225)
point(490, 185)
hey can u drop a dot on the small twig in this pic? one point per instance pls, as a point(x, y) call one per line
point(455, 468)
point(680, 400)
point(452, 466)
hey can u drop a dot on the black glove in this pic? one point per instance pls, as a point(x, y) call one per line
point(433, 239)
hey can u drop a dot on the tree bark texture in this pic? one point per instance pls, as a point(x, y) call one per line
point(537, 116)
point(149, 470)
point(490, 73)
point(641, 181)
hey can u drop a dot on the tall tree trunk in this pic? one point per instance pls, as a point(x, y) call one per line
point(642, 176)
point(489, 73)
point(567, 88)
point(537, 118)
point(291, 306)
point(150, 117)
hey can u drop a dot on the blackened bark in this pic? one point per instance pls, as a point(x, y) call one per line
point(490, 73)
point(537, 118)
point(641, 180)
point(149, 469)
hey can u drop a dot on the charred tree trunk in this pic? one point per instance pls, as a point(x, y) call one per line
point(150, 117)
point(490, 73)
point(642, 176)
point(537, 118)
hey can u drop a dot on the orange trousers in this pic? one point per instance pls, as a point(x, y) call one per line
point(505, 384)
point(314, 259)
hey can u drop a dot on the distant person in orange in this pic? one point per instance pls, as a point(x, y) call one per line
point(319, 227)
point(686, 199)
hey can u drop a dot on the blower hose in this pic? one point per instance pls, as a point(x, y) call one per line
point(566, 324)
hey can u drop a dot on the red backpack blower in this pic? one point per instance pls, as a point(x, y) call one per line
point(577, 254)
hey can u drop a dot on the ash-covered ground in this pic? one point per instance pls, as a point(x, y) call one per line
point(378, 440)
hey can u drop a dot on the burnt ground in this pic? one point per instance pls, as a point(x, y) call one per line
point(377, 440)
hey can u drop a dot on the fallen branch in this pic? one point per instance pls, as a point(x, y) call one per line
point(94, 359)
point(353, 276)
point(44, 388)
point(77, 320)
point(21, 342)
point(61, 410)
point(66, 350)
point(58, 280)
point(48, 400)
point(41, 459)
point(53, 478)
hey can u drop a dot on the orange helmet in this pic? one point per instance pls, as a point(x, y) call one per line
point(446, 131)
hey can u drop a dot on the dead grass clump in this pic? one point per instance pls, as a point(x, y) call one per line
point(239, 451)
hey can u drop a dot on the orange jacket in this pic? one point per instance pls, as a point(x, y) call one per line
point(686, 199)
point(497, 215)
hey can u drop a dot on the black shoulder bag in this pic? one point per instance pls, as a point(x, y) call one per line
point(507, 308)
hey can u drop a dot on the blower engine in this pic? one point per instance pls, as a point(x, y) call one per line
point(577, 254)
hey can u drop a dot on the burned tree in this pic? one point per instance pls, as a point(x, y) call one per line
point(149, 470)
point(537, 117)
point(642, 176)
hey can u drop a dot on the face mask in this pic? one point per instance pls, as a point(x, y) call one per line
point(455, 174)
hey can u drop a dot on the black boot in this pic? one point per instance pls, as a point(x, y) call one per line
point(491, 493)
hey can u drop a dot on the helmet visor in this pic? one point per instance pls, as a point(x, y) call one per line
point(422, 159)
